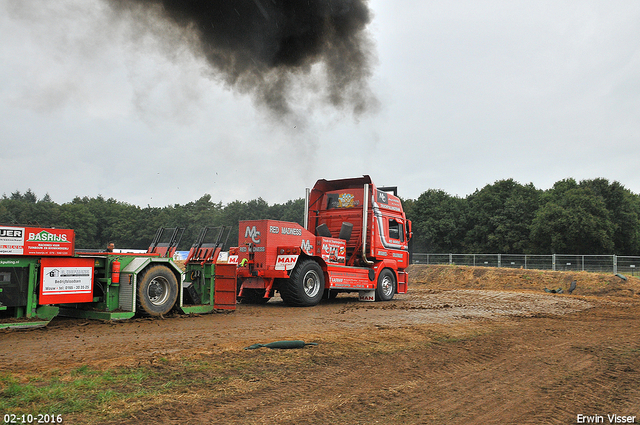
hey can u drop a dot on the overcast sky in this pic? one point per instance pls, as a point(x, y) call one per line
point(468, 92)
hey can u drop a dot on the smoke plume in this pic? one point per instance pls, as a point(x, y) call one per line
point(270, 48)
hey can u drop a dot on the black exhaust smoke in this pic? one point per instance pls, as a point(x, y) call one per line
point(261, 46)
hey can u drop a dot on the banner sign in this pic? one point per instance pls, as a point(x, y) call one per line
point(15, 240)
point(66, 280)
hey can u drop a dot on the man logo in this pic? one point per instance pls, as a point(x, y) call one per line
point(253, 234)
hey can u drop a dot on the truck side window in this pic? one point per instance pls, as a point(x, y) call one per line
point(395, 230)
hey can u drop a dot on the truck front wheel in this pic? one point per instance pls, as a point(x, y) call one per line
point(386, 286)
point(305, 285)
point(157, 290)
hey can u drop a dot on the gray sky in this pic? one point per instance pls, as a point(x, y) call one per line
point(469, 92)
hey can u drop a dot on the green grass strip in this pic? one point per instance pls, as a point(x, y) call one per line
point(92, 392)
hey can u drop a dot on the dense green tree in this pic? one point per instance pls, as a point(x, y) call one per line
point(499, 217)
point(25, 209)
point(30, 197)
point(623, 209)
point(574, 220)
point(438, 222)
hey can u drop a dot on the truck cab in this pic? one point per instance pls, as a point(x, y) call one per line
point(345, 207)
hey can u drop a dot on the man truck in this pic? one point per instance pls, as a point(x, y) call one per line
point(354, 239)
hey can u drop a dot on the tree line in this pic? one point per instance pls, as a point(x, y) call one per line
point(99, 221)
point(587, 217)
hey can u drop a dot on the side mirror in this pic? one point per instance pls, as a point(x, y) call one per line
point(409, 232)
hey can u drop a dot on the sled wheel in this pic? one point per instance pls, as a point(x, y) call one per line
point(157, 290)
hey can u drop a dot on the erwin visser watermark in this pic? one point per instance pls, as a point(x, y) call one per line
point(606, 419)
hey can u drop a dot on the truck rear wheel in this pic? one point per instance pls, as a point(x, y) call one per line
point(386, 287)
point(305, 285)
point(157, 290)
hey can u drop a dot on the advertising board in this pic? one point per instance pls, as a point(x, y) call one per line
point(17, 240)
point(66, 280)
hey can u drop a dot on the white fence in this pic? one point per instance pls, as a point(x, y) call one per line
point(629, 265)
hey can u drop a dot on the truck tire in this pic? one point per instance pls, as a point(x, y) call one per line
point(157, 290)
point(305, 285)
point(386, 288)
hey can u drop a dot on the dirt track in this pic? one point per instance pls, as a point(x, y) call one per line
point(466, 345)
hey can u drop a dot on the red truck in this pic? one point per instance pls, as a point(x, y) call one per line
point(354, 239)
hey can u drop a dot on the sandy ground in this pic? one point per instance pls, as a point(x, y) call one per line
point(465, 345)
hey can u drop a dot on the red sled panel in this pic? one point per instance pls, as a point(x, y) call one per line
point(225, 287)
point(66, 280)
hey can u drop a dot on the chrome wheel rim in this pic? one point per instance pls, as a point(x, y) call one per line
point(387, 286)
point(311, 283)
point(158, 291)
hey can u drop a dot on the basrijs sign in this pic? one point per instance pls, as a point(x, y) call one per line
point(45, 236)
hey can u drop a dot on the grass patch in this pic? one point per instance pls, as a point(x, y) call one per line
point(94, 394)
point(44, 395)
